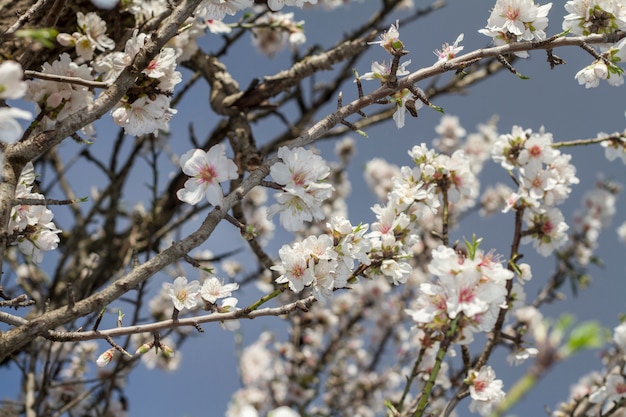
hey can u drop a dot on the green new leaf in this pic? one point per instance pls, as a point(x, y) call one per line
point(46, 36)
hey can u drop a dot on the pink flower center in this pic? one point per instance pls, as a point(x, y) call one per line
point(547, 228)
point(208, 174)
point(512, 14)
point(535, 151)
point(466, 295)
point(479, 385)
point(299, 178)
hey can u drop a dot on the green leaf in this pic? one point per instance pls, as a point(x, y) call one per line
point(46, 36)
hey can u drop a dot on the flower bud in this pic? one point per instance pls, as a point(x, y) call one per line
point(104, 359)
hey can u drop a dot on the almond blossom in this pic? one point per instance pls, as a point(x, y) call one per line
point(302, 175)
point(516, 21)
point(92, 36)
point(207, 170)
point(184, 295)
point(594, 16)
point(472, 287)
point(212, 289)
point(485, 390)
point(448, 51)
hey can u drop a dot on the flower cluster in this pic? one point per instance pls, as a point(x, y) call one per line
point(545, 177)
point(190, 295)
point(59, 100)
point(272, 31)
point(302, 175)
point(594, 16)
point(605, 68)
point(145, 107)
point(207, 170)
point(91, 36)
point(324, 262)
point(32, 224)
point(470, 289)
point(515, 21)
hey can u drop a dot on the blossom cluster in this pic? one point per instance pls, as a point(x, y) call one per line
point(515, 21)
point(470, 289)
point(544, 177)
point(189, 295)
point(31, 222)
point(324, 262)
point(302, 176)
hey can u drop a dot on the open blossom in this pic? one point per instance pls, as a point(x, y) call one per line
point(594, 16)
point(207, 170)
point(390, 40)
point(279, 4)
point(10, 129)
point(144, 115)
point(382, 71)
point(61, 99)
point(548, 230)
point(515, 21)
point(11, 84)
point(218, 9)
point(475, 287)
point(614, 148)
point(184, 295)
point(32, 224)
point(448, 51)
point(485, 390)
point(274, 30)
point(91, 36)
point(213, 288)
point(302, 174)
point(613, 391)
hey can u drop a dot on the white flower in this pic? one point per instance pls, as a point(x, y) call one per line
point(591, 75)
point(144, 115)
point(229, 304)
point(184, 295)
point(274, 30)
point(303, 177)
point(217, 9)
point(382, 71)
point(217, 26)
point(11, 84)
point(612, 392)
point(515, 21)
point(207, 170)
point(594, 16)
point(294, 267)
point(619, 336)
point(547, 230)
point(283, 411)
point(390, 40)
point(10, 129)
point(92, 36)
point(213, 288)
point(61, 99)
point(485, 390)
point(448, 51)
